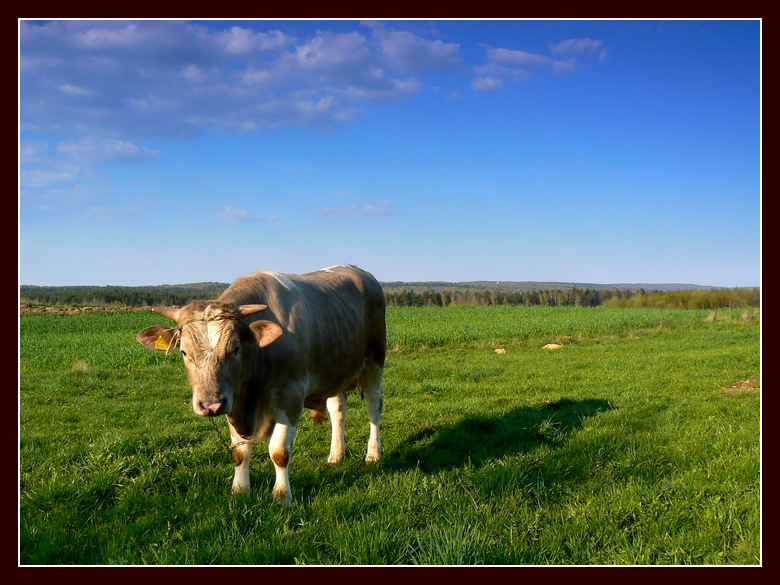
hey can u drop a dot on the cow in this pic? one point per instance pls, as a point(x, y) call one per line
point(273, 344)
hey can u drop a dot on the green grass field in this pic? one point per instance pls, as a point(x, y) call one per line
point(637, 442)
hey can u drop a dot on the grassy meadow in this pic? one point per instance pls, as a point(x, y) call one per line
point(637, 441)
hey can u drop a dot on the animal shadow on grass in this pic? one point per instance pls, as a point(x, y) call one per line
point(478, 439)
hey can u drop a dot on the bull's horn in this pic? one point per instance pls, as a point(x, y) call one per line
point(171, 313)
point(247, 310)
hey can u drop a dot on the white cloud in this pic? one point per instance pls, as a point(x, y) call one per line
point(517, 65)
point(516, 58)
point(492, 76)
point(109, 34)
point(46, 177)
point(120, 77)
point(410, 53)
point(193, 74)
point(228, 213)
point(256, 76)
point(43, 165)
point(392, 90)
point(512, 59)
point(333, 53)
point(586, 46)
point(67, 88)
point(348, 212)
point(95, 149)
point(232, 214)
point(241, 41)
point(486, 83)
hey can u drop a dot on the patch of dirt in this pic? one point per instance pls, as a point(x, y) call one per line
point(744, 386)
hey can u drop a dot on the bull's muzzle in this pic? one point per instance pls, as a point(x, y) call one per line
point(211, 408)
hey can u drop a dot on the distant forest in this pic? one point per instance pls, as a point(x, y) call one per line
point(440, 294)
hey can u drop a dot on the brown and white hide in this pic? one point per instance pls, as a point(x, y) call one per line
point(273, 344)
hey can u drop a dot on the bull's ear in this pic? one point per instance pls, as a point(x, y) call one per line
point(247, 310)
point(265, 332)
point(159, 338)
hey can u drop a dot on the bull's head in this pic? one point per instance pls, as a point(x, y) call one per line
point(213, 340)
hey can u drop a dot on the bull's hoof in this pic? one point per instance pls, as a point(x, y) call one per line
point(373, 452)
point(282, 498)
point(239, 490)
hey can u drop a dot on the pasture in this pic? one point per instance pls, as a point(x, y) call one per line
point(637, 442)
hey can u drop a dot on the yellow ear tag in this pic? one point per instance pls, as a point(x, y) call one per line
point(160, 343)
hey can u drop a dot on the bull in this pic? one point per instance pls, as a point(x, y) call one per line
point(273, 344)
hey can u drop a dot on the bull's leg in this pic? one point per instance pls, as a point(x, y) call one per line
point(372, 394)
point(337, 409)
point(242, 453)
point(280, 449)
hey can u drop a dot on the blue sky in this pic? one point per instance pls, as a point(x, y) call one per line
point(168, 152)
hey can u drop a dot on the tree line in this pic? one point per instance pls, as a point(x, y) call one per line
point(119, 296)
point(168, 295)
point(713, 298)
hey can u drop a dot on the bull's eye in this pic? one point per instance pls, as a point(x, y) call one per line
point(183, 354)
point(237, 350)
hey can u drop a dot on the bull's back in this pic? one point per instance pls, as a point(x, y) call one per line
point(335, 317)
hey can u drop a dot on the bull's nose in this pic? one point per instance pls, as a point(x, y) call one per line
point(210, 408)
